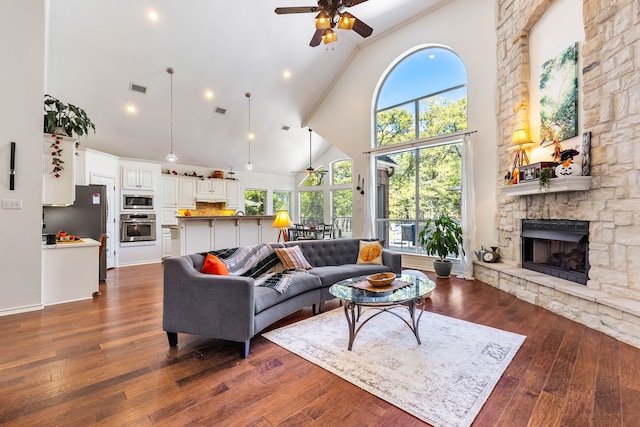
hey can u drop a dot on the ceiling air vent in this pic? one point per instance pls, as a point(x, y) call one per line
point(221, 110)
point(285, 127)
point(137, 88)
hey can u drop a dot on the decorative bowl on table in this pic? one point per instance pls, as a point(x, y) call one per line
point(381, 279)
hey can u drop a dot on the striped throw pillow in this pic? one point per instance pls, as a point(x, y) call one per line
point(292, 258)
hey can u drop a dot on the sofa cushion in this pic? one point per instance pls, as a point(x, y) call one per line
point(370, 253)
point(334, 273)
point(301, 282)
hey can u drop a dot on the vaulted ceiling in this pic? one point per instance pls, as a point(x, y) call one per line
point(96, 49)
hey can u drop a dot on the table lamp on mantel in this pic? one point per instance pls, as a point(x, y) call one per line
point(519, 143)
point(282, 222)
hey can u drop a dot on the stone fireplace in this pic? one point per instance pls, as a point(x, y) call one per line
point(559, 248)
point(609, 94)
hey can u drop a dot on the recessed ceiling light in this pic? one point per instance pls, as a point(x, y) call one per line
point(286, 74)
point(152, 15)
point(208, 94)
point(131, 108)
point(432, 56)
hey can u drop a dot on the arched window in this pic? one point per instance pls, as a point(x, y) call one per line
point(422, 99)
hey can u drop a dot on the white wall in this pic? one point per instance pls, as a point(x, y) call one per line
point(22, 89)
point(344, 117)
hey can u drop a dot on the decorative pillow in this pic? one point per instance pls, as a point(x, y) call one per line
point(292, 258)
point(213, 265)
point(370, 253)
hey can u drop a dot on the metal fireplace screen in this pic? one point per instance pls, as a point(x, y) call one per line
point(559, 248)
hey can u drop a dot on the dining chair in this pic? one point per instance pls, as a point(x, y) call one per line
point(327, 231)
point(304, 232)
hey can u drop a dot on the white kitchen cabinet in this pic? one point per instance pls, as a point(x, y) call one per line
point(233, 194)
point(137, 177)
point(60, 190)
point(214, 190)
point(169, 216)
point(169, 191)
point(166, 242)
point(196, 236)
point(186, 193)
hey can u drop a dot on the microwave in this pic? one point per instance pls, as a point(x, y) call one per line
point(137, 201)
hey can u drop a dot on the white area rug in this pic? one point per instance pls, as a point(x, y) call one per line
point(445, 381)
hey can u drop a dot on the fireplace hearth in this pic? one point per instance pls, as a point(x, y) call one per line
point(559, 248)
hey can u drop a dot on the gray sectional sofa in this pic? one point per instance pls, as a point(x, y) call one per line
point(233, 308)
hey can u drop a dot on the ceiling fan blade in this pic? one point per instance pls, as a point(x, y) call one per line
point(361, 28)
point(317, 38)
point(350, 3)
point(303, 9)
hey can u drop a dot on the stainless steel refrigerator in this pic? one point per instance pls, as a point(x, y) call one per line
point(87, 217)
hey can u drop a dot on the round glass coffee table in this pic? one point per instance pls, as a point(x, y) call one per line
point(406, 292)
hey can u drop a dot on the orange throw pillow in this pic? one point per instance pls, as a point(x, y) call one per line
point(213, 265)
point(370, 253)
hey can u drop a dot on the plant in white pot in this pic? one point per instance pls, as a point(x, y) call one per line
point(67, 118)
point(442, 236)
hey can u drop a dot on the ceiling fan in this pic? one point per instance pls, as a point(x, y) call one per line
point(310, 170)
point(332, 13)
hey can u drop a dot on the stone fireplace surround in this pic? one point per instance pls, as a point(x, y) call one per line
point(610, 93)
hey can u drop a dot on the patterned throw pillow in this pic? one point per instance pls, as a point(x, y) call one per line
point(213, 265)
point(292, 258)
point(370, 253)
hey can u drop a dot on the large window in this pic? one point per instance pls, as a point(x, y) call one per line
point(422, 99)
point(281, 201)
point(254, 202)
point(335, 187)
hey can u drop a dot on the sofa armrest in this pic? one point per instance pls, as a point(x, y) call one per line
point(203, 304)
point(393, 260)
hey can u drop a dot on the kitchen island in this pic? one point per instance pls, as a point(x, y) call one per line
point(69, 271)
point(206, 233)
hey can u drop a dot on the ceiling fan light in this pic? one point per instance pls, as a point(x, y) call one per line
point(346, 21)
point(323, 21)
point(329, 36)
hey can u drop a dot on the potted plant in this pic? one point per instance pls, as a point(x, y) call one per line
point(65, 118)
point(442, 236)
point(544, 179)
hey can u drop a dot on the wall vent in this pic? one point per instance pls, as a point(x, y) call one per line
point(221, 110)
point(137, 88)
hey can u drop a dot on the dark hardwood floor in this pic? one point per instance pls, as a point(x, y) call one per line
point(107, 361)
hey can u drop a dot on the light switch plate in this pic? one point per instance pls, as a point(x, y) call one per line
point(11, 204)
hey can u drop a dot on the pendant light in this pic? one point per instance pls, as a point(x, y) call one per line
point(171, 157)
point(249, 165)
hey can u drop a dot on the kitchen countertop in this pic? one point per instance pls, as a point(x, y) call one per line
point(86, 242)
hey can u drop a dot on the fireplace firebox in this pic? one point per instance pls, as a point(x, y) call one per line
point(559, 248)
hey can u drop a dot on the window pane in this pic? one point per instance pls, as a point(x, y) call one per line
point(396, 125)
point(254, 202)
point(440, 180)
point(420, 74)
point(443, 114)
point(311, 207)
point(281, 201)
point(342, 215)
point(341, 172)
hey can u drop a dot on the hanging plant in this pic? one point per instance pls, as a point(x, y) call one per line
point(56, 156)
